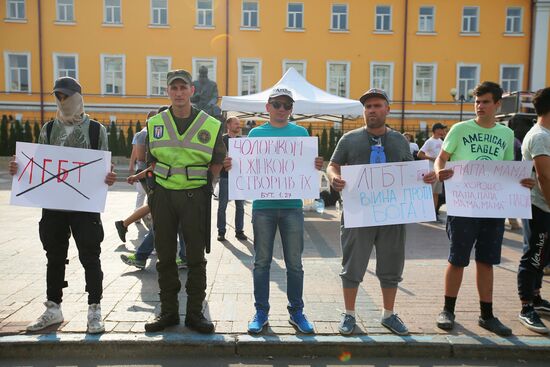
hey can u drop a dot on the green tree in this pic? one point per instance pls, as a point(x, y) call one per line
point(129, 140)
point(19, 132)
point(323, 151)
point(138, 126)
point(310, 130)
point(27, 134)
point(36, 131)
point(113, 139)
point(12, 138)
point(122, 144)
point(4, 136)
point(332, 140)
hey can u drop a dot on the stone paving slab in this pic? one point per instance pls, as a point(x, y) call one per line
point(131, 295)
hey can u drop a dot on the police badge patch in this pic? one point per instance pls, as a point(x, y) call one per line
point(203, 136)
point(158, 131)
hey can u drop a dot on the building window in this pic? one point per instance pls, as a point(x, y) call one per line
point(339, 18)
point(18, 77)
point(468, 78)
point(470, 19)
point(511, 77)
point(338, 78)
point(112, 12)
point(298, 65)
point(426, 16)
point(295, 16)
point(159, 12)
point(383, 18)
point(65, 65)
point(15, 9)
point(112, 67)
point(157, 67)
point(424, 82)
point(65, 10)
point(513, 20)
point(210, 65)
point(382, 77)
point(205, 13)
point(249, 77)
point(250, 16)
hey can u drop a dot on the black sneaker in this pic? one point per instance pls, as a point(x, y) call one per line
point(241, 236)
point(531, 320)
point(221, 237)
point(445, 320)
point(161, 322)
point(542, 307)
point(494, 325)
point(199, 323)
point(119, 224)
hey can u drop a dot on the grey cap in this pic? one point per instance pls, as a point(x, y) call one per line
point(178, 74)
point(277, 92)
point(374, 92)
point(67, 86)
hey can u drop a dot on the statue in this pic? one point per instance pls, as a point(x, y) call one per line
point(206, 94)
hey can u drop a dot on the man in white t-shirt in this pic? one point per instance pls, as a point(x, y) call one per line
point(430, 150)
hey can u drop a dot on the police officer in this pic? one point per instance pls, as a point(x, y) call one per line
point(185, 149)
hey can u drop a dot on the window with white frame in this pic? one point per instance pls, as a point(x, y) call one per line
point(426, 15)
point(510, 77)
point(17, 72)
point(382, 77)
point(205, 13)
point(295, 18)
point(424, 82)
point(339, 19)
point(383, 18)
point(158, 68)
point(468, 78)
point(250, 15)
point(210, 66)
point(159, 12)
point(513, 20)
point(113, 74)
point(112, 12)
point(15, 9)
point(470, 19)
point(298, 65)
point(65, 10)
point(249, 77)
point(65, 65)
point(338, 78)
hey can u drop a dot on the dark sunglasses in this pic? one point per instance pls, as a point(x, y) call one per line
point(277, 105)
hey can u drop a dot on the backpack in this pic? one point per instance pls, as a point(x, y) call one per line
point(93, 132)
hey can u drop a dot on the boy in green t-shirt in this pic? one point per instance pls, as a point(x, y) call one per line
point(477, 139)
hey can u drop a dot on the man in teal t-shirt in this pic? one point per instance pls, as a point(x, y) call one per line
point(477, 139)
point(287, 216)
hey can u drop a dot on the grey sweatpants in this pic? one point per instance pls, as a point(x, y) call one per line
point(357, 244)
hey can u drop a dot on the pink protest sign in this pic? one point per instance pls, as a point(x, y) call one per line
point(54, 177)
point(273, 168)
point(488, 189)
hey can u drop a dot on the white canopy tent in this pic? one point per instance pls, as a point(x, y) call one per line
point(310, 102)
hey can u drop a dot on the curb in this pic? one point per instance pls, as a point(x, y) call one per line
point(148, 345)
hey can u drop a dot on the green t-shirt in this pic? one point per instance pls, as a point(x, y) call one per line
point(265, 131)
point(467, 141)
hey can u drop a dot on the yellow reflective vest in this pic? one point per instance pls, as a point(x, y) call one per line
point(182, 160)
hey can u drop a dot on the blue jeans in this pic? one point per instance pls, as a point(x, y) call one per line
point(291, 227)
point(148, 245)
point(223, 196)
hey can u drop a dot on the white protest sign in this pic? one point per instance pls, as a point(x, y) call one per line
point(273, 168)
point(386, 193)
point(488, 189)
point(54, 177)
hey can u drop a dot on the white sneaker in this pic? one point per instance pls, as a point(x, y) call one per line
point(51, 316)
point(95, 324)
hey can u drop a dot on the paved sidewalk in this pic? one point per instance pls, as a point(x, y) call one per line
point(131, 296)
